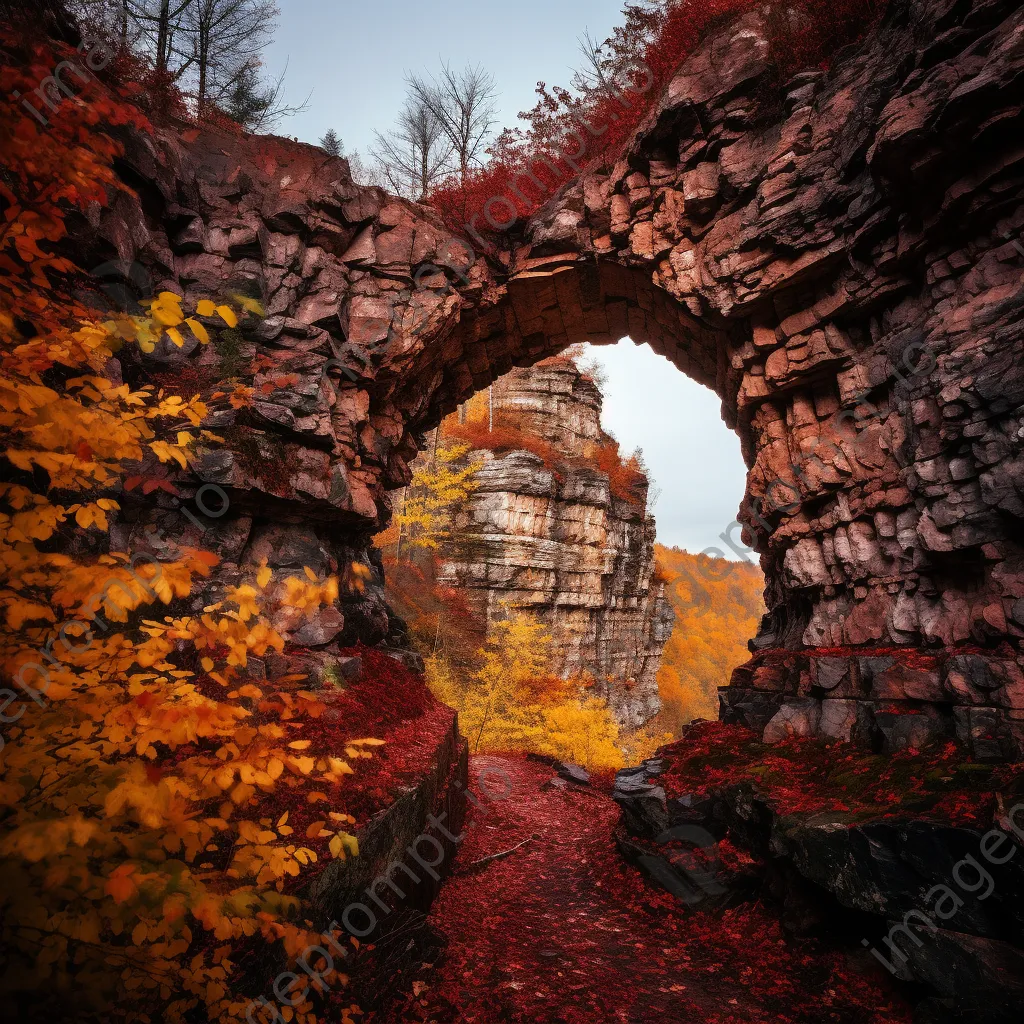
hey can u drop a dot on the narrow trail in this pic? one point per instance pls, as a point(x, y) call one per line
point(563, 931)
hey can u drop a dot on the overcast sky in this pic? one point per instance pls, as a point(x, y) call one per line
point(693, 457)
point(354, 55)
point(352, 58)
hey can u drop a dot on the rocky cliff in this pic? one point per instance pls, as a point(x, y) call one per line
point(835, 255)
point(557, 543)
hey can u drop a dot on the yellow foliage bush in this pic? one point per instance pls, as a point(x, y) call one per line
point(512, 703)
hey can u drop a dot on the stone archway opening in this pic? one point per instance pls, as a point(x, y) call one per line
point(546, 532)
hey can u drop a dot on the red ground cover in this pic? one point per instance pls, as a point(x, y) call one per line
point(807, 776)
point(562, 931)
point(390, 703)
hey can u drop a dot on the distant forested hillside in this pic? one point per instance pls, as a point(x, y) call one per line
point(718, 605)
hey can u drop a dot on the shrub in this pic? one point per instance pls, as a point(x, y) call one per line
point(626, 480)
point(504, 438)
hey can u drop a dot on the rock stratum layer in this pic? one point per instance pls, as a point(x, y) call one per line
point(841, 267)
point(556, 543)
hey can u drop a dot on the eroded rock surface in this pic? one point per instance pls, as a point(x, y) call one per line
point(837, 258)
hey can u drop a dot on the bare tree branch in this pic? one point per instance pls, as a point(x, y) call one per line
point(413, 157)
point(463, 105)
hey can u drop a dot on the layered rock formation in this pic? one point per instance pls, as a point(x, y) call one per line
point(915, 880)
point(556, 543)
point(835, 256)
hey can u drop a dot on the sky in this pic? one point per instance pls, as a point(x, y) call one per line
point(693, 457)
point(353, 55)
point(351, 58)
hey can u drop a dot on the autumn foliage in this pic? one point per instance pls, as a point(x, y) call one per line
point(718, 605)
point(808, 776)
point(504, 437)
point(147, 774)
point(627, 477)
point(514, 703)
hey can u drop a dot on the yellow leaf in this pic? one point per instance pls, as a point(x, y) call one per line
point(252, 305)
point(313, 830)
point(299, 744)
point(208, 664)
point(198, 330)
point(227, 314)
point(367, 743)
point(283, 819)
point(264, 575)
point(166, 310)
point(19, 612)
point(204, 307)
point(175, 335)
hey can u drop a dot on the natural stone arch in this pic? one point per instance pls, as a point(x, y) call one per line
point(560, 300)
point(838, 298)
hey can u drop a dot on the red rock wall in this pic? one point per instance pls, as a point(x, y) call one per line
point(837, 257)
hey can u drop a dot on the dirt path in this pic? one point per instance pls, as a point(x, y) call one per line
point(562, 931)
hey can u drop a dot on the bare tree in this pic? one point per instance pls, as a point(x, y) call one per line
point(226, 37)
point(152, 27)
point(462, 103)
point(413, 157)
point(160, 22)
point(361, 175)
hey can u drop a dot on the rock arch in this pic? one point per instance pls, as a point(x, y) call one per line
point(836, 257)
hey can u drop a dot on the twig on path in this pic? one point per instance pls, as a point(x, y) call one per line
point(495, 856)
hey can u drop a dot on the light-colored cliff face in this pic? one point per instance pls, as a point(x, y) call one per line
point(559, 545)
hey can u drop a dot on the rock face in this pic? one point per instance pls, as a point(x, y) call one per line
point(837, 257)
point(557, 544)
point(937, 905)
point(924, 879)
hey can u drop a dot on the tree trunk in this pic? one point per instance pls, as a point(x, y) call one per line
point(204, 60)
point(398, 543)
point(162, 33)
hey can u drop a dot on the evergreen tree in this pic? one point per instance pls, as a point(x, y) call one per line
point(330, 143)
